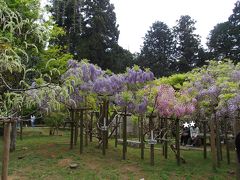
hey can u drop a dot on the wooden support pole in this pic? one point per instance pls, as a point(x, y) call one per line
point(213, 148)
point(75, 120)
point(218, 142)
point(151, 128)
point(21, 130)
point(237, 144)
point(72, 123)
point(226, 142)
point(116, 131)
point(81, 131)
point(6, 148)
point(104, 122)
point(177, 142)
point(91, 127)
point(124, 134)
point(165, 142)
point(142, 137)
point(107, 122)
point(204, 139)
point(86, 129)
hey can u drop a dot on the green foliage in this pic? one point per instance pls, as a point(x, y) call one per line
point(187, 45)
point(176, 80)
point(224, 38)
point(91, 32)
point(55, 119)
point(157, 50)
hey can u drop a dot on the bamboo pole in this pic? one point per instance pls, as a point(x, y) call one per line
point(6, 148)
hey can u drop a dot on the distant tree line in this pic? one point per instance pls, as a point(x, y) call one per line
point(92, 33)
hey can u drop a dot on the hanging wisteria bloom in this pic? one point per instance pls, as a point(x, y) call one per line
point(171, 105)
point(236, 76)
point(234, 105)
point(136, 75)
point(141, 107)
point(109, 85)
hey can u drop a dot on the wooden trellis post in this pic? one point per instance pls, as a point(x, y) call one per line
point(6, 148)
point(116, 131)
point(81, 111)
point(72, 128)
point(165, 142)
point(152, 141)
point(125, 133)
point(142, 137)
point(226, 140)
point(177, 142)
point(204, 139)
point(81, 131)
point(91, 127)
point(213, 148)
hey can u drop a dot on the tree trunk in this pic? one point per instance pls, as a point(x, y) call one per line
point(6, 148)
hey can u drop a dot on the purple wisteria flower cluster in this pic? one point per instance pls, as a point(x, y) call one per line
point(169, 105)
point(136, 75)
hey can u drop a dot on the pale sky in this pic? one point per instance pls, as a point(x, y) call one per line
point(136, 16)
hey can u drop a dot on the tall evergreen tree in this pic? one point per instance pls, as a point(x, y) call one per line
point(187, 44)
point(99, 32)
point(67, 14)
point(219, 41)
point(91, 29)
point(157, 49)
point(234, 21)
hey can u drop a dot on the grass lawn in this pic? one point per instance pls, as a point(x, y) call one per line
point(48, 157)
